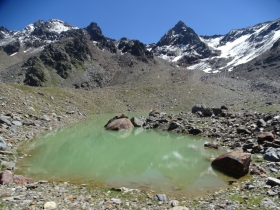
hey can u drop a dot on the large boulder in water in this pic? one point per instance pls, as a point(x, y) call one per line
point(235, 162)
point(119, 122)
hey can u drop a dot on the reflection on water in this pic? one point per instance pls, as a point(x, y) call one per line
point(139, 158)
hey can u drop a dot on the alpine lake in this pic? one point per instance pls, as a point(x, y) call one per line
point(143, 159)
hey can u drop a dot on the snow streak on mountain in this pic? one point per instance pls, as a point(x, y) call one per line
point(180, 45)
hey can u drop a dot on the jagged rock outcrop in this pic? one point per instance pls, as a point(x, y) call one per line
point(136, 48)
point(102, 42)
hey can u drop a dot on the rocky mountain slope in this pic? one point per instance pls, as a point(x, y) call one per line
point(182, 46)
point(54, 53)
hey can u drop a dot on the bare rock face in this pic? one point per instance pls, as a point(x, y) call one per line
point(235, 162)
point(119, 122)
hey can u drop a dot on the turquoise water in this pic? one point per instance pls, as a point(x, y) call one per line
point(142, 159)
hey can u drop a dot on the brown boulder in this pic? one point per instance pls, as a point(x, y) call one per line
point(6, 177)
point(21, 180)
point(266, 136)
point(119, 122)
point(235, 162)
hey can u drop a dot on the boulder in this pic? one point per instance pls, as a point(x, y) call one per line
point(119, 122)
point(137, 122)
point(266, 136)
point(206, 111)
point(6, 177)
point(195, 131)
point(161, 197)
point(235, 162)
point(261, 123)
point(272, 154)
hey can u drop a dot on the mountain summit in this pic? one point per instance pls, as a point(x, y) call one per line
point(182, 45)
point(180, 34)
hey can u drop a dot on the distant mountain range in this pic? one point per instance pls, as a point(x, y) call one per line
point(56, 53)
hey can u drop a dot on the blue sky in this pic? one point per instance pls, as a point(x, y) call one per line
point(146, 20)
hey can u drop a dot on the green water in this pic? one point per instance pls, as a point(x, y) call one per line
point(142, 159)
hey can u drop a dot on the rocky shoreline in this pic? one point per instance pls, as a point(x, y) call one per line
point(242, 130)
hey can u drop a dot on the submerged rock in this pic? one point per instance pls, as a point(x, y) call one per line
point(119, 122)
point(235, 162)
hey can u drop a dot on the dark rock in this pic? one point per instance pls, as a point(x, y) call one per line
point(211, 145)
point(119, 122)
point(96, 35)
point(134, 47)
point(224, 107)
point(267, 117)
point(206, 111)
point(12, 47)
point(235, 162)
point(173, 125)
point(217, 111)
point(272, 154)
point(243, 130)
point(195, 131)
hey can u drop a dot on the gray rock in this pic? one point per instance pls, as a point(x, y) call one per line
point(3, 144)
point(116, 201)
point(261, 123)
point(8, 165)
point(267, 203)
point(180, 208)
point(272, 154)
point(5, 119)
point(161, 197)
point(17, 123)
point(45, 118)
point(174, 203)
point(272, 181)
point(137, 122)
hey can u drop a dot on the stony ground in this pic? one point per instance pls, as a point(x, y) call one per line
point(26, 112)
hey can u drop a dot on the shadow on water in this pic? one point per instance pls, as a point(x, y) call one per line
point(138, 158)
